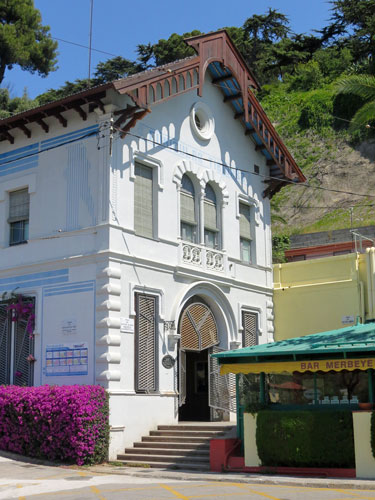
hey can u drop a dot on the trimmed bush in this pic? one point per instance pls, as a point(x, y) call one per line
point(305, 438)
point(373, 433)
point(68, 423)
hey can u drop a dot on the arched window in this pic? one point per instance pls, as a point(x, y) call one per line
point(211, 223)
point(188, 216)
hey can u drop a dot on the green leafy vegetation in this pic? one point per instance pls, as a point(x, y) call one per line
point(305, 438)
point(318, 90)
point(24, 41)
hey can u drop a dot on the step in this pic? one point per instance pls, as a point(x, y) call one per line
point(161, 458)
point(175, 439)
point(166, 465)
point(201, 434)
point(172, 445)
point(183, 427)
point(166, 451)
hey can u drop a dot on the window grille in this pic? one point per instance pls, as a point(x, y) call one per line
point(143, 201)
point(250, 329)
point(15, 347)
point(146, 344)
point(198, 328)
point(222, 388)
point(4, 344)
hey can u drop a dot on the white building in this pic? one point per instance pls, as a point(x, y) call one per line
point(136, 217)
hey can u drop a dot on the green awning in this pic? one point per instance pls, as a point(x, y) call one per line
point(345, 343)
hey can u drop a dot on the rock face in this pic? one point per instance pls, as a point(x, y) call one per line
point(340, 175)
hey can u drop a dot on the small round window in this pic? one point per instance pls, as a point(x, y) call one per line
point(202, 121)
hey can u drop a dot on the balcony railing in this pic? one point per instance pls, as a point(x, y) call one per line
point(203, 257)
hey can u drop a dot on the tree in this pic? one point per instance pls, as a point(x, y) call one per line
point(107, 71)
point(9, 106)
point(362, 86)
point(263, 31)
point(166, 51)
point(353, 24)
point(24, 40)
point(115, 68)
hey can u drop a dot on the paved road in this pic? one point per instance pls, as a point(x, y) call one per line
point(25, 481)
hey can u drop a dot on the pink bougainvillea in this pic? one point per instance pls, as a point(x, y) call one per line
point(68, 423)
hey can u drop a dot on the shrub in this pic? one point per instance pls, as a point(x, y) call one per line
point(307, 77)
point(316, 112)
point(68, 423)
point(305, 438)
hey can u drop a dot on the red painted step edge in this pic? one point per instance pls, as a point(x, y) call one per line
point(219, 448)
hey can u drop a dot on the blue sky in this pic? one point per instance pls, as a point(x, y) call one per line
point(120, 25)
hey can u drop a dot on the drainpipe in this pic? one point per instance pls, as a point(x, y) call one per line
point(372, 250)
point(362, 301)
point(369, 284)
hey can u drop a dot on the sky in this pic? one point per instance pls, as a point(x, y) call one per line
point(120, 25)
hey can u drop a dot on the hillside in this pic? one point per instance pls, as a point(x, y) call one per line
point(329, 157)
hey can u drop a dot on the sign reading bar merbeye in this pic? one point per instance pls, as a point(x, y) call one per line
point(325, 365)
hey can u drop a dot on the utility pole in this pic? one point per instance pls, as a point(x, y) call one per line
point(90, 38)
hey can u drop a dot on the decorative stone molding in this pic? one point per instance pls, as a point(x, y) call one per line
point(270, 320)
point(204, 176)
point(108, 323)
point(109, 340)
point(109, 375)
point(200, 256)
point(109, 357)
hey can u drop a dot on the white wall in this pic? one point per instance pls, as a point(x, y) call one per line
point(84, 263)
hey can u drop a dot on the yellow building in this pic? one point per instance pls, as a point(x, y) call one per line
point(324, 294)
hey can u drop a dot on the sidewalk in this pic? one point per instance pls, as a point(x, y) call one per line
point(9, 472)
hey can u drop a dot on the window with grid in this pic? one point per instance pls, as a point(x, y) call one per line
point(16, 345)
point(211, 224)
point(245, 232)
point(143, 201)
point(18, 220)
point(249, 329)
point(187, 211)
point(146, 349)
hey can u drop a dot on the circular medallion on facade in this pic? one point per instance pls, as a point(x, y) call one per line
point(202, 121)
point(168, 361)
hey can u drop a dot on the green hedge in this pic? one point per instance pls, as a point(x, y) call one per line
point(373, 433)
point(305, 438)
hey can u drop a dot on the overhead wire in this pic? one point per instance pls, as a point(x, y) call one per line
point(210, 160)
point(95, 132)
point(268, 177)
point(84, 46)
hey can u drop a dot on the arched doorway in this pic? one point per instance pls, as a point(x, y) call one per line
point(199, 334)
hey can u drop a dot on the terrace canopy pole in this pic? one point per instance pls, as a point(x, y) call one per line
point(315, 390)
point(370, 372)
point(262, 393)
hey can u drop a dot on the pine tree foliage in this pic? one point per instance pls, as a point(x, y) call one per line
point(24, 41)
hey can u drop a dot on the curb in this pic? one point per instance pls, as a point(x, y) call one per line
point(181, 475)
point(185, 475)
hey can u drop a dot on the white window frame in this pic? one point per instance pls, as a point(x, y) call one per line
point(218, 207)
point(253, 205)
point(197, 208)
point(21, 219)
point(25, 182)
point(157, 186)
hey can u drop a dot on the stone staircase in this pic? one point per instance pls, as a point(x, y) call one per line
point(181, 446)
